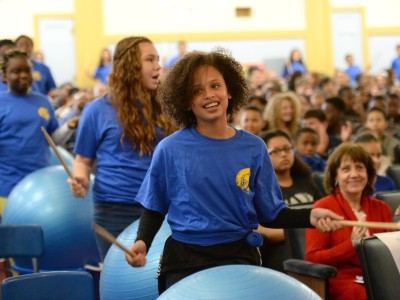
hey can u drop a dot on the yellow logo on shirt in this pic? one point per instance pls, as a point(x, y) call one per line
point(243, 179)
point(44, 113)
point(37, 75)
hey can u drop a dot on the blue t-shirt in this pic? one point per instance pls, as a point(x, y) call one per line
point(316, 162)
point(396, 67)
point(383, 184)
point(353, 73)
point(23, 147)
point(3, 86)
point(214, 190)
point(43, 81)
point(119, 169)
point(102, 73)
point(293, 67)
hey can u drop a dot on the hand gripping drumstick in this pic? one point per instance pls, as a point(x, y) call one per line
point(110, 238)
point(381, 225)
point(54, 147)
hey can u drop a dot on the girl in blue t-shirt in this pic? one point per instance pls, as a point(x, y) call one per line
point(215, 183)
point(119, 132)
point(295, 64)
point(103, 69)
point(23, 147)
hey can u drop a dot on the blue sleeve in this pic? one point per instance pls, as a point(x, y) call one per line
point(153, 192)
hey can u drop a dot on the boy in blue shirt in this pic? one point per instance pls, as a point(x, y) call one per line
point(305, 142)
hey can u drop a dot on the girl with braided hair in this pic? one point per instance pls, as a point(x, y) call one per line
point(119, 132)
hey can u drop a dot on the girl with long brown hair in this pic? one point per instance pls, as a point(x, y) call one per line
point(120, 131)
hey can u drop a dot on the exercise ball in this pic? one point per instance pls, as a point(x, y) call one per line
point(44, 198)
point(238, 282)
point(68, 157)
point(119, 280)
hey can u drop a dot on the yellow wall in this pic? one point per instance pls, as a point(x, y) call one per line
point(89, 37)
point(102, 22)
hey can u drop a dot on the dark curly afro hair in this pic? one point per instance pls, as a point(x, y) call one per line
point(176, 92)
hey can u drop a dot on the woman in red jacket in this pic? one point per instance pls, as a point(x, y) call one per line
point(349, 179)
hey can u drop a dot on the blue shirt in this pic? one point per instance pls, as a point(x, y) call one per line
point(353, 72)
point(23, 147)
point(43, 81)
point(3, 86)
point(396, 67)
point(119, 169)
point(214, 190)
point(293, 67)
point(102, 73)
point(316, 162)
point(383, 184)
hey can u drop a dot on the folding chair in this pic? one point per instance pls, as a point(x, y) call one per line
point(380, 273)
point(392, 198)
point(22, 241)
point(393, 172)
point(55, 285)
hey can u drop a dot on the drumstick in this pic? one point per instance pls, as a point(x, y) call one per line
point(110, 238)
point(381, 225)
point(54, 147)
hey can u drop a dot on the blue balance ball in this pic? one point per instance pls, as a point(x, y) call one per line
point(119, 280)
point(238, 282)
point(44, 197)
point(68, 157)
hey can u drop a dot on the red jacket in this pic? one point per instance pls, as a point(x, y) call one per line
point(336, 249)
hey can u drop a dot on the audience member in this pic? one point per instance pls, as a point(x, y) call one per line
point(295, 181)
point(305, 142)
point(283, 112)
point(251, 120)
point(372, 145)
point(378, 123)
point(348, 179)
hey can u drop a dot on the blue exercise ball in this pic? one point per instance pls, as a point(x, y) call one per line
point(68, 157)
point(238, 282)
point(119, 280)
point(44, 197)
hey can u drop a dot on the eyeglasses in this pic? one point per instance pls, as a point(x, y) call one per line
point(285, 150)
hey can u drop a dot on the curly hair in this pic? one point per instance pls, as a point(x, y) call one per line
point(272, 111)
point(176, 92)
point(356, 153)
point(7, 57)
point(138, 111)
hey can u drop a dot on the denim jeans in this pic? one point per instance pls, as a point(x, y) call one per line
point(114, 217)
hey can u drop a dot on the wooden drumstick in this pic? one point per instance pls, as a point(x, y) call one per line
point(54, 147)
point(380, 225)
point(110, 238)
